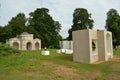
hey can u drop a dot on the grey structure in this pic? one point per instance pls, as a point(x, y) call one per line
point(66, 44)
point(90, 46)
point(25, 41)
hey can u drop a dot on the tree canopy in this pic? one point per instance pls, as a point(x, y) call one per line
point(14, 27)
point(113, 25)
point(81, 20)
point(47, 28)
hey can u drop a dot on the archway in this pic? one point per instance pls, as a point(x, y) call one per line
point(108, 45)
point(16, 45)
point(37, 46)
point(29, 46)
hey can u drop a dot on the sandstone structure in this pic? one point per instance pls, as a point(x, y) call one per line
point(25, 41)
point(90, 46)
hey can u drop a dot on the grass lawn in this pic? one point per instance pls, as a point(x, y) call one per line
point(31, 65)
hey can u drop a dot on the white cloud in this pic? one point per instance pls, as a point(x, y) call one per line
point(61, 10)
point(10, 8)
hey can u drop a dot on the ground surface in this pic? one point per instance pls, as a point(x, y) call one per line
point(31, 65)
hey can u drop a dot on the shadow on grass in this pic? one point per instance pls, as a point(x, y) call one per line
point(65, 57)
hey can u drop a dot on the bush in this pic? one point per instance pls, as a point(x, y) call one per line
point(6, 50)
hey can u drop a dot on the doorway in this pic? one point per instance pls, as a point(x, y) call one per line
point(29, 46)
point(16, 45)
point(37, 46)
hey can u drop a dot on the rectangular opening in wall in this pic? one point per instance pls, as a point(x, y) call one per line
point(94, 46)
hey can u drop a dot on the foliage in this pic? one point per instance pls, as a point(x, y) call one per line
point(47, 29)
point(113, 25)
point(6, 50)
point(116, 51)
point(15, 26)
point(81, 20)
point(2, 34)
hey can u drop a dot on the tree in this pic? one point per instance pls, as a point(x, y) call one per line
point(113, 25)
point(81, 20)
point(5, 33)
point(46, 27)
point(17, 24)
point(2, 33)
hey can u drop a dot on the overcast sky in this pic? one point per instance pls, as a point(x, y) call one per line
point(60, 10)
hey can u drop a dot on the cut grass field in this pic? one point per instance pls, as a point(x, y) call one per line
point(31, 65)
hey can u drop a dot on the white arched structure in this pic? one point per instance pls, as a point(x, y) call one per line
point(25, 41)
point(29, 46)
point(16, 45)
point(37, 46)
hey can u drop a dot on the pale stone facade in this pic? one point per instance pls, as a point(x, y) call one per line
point(66, 44)
point(25, 41)
point(90, 46)
point(66, 47)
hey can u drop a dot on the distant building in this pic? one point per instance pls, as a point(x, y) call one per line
point(90, 46)
point(66, 44)
point(66, 47)
point(25, 41)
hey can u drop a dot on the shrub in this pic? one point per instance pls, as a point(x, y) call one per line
point(6, 50)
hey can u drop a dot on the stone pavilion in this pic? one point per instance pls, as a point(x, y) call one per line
point(25, 41)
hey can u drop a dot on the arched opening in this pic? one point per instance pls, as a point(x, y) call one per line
point(16, 45)
point(29, 46)
point(108, 45)
point(37, 46)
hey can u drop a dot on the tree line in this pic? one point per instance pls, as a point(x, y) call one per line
point(43, 26)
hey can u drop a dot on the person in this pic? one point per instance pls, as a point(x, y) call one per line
point(45, 49)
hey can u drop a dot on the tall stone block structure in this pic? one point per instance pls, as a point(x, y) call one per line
point(90, 46)
point(25, 41)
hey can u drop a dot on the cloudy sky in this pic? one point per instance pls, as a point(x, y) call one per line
point(60, 10)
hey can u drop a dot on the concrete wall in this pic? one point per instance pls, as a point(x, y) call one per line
point(81, 46)
point(104, 55)
point(93, 38)
point(101, 46)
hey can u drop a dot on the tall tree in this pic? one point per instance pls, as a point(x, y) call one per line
point(113, 25)
point(2, 33)
point(17, 24)
point(5, 33)
point(81, 20)
point(46, 27)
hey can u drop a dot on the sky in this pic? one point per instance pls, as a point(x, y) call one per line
point(60, 10)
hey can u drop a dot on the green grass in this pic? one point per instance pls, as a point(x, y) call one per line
point(117, 52)
point(31, 65)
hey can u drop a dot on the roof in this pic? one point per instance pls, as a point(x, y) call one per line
point(25, 33)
